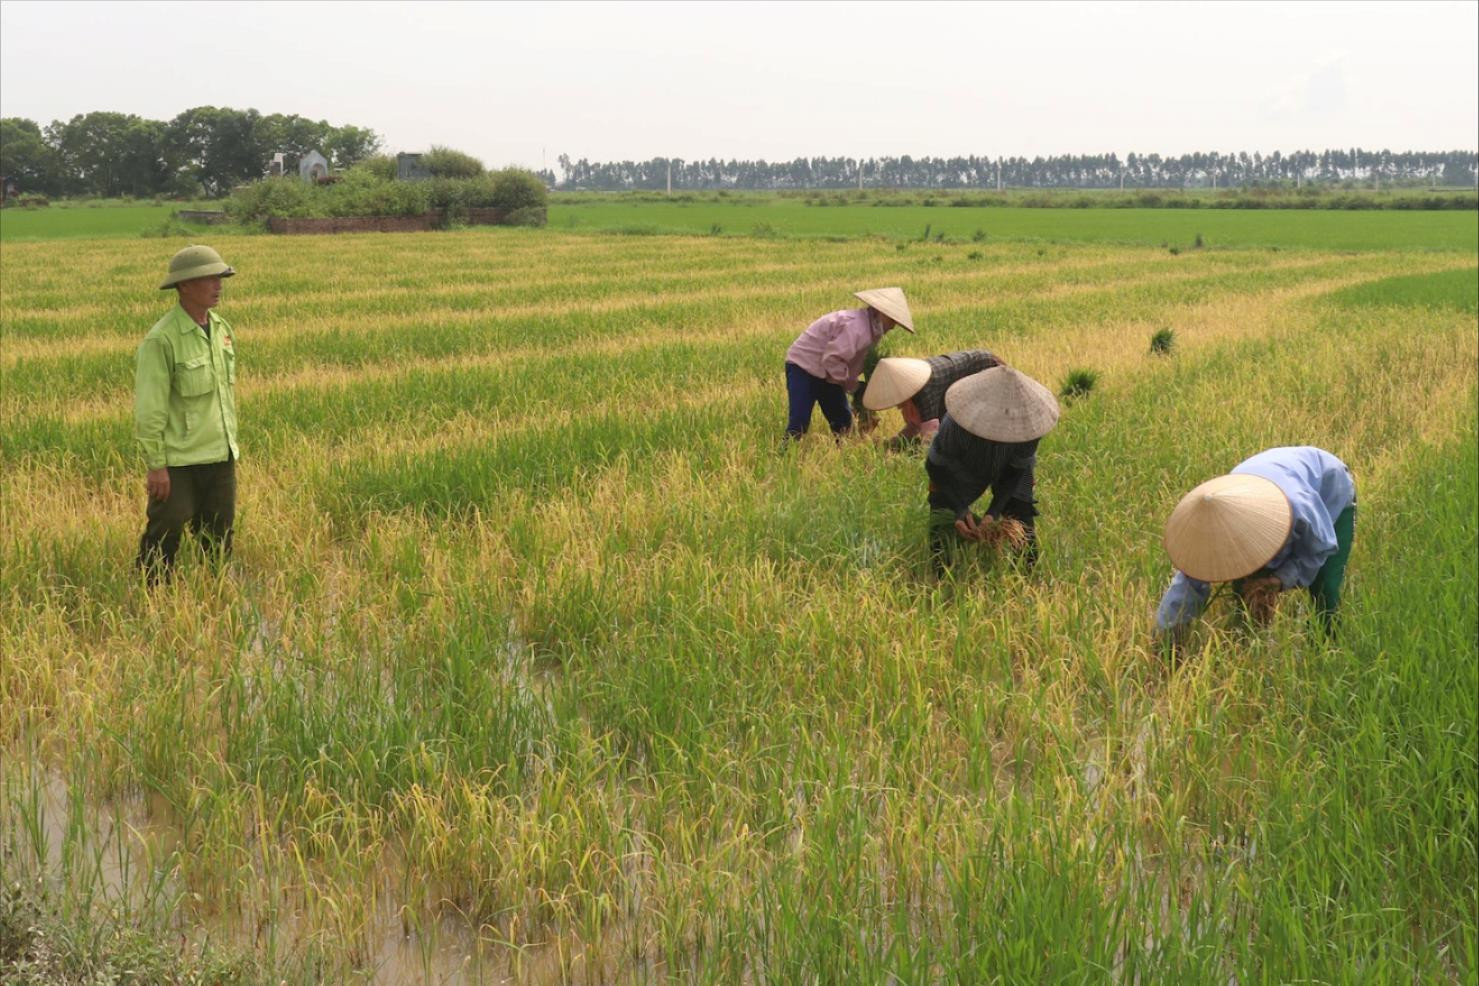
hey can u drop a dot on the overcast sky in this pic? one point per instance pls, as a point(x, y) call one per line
point(523, 83)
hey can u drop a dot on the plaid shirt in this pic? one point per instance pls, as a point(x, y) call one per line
point(945, 370)
point(962, 466)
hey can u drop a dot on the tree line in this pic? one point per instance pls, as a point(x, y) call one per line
point(1195, 170)
point(203, 151)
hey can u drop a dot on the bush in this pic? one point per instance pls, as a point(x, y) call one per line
point(1077, 384)
point(1161, 342)
point(519, 195)
point(382, 166)
point(444, 162)
point(532, 215)
point(514, 189)
point(254, 204)
point(366, 196)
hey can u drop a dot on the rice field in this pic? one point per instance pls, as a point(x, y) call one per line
point(541, 661)
point(757, 214)
point(93, 220)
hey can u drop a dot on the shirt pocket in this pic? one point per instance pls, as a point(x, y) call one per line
point(194, 378)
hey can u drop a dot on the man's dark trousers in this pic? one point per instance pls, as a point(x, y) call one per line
point(201, 497)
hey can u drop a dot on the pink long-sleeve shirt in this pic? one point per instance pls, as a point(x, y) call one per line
point(834, 345)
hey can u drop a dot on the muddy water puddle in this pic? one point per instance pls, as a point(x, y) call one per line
point(124, 853)
point(121, 854)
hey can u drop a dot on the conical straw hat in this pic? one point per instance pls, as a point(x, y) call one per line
point(1002, 405)
point(1228, 527)
point(891, 302)
point(895, 379)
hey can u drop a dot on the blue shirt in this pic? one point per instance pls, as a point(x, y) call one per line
point(1319, 488)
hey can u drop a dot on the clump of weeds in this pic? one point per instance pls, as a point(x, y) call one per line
point(1078, 383)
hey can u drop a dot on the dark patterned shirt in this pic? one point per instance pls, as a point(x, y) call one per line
point(962, 466)
point(945, 370)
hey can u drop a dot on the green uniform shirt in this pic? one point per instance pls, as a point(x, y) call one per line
point(184, 399)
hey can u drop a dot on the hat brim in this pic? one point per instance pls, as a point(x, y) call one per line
point(191, 273)
point(1002, 404)
point(1228, 527)
point(891, 302)
point(895, 379)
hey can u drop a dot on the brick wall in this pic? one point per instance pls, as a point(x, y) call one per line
point(485, 217)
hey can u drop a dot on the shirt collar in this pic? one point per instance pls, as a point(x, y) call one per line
point(185, 324)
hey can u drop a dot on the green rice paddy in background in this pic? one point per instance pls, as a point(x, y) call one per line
point(85, 222)
point(1285, 228)
point(541, 659)
point(768, 216)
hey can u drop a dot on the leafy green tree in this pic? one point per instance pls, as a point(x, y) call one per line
point(348, 145)
point(111, 154)
point(26, 156)
point(219, 147)
point(291, 134)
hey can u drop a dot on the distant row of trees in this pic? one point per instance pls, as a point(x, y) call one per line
point(1196, 170)
point(202, 151)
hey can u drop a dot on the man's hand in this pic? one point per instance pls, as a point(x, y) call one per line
point(967, 527)
point(867, 421)
point(158, 484)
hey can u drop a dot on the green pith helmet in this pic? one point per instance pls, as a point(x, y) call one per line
point(193, 262)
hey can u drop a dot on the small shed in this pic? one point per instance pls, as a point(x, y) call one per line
point(313, 167)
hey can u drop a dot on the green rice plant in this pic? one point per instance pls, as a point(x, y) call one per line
point(534, 659)
point(1079, 382)
point(1162, 341)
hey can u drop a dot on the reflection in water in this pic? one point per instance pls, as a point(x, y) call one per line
point(120, 855)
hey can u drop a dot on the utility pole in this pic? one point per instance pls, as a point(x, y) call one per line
point(998, 183)
point(860, 183)
point(670, 184)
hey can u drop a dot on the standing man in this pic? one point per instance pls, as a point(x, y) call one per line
point(185, 416)
point(1282, 520)
point(917, 388)
point(988, 441)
